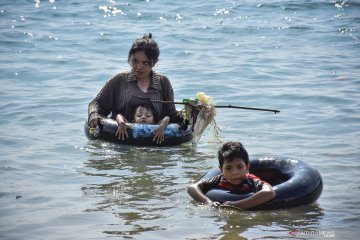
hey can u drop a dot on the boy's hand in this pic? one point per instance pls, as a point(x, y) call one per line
point(121, 132)
point(213, 204)
point(159, 135)
point(230, 203)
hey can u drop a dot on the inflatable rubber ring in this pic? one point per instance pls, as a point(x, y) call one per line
point(139, 135)
point(295, 183)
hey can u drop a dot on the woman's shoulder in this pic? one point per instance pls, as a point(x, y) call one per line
point(162, 80)
point(161, 77)
point(119, 78)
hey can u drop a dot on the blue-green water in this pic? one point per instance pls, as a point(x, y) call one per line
point(301, 57)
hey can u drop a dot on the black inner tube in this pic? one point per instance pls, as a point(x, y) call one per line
point(295, 183)
point(108, 127)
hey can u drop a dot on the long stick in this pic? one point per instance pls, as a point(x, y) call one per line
point(222, 106)
point(248, 108)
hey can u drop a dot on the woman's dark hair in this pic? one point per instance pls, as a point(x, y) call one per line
point(232, 150)
point(148, 45)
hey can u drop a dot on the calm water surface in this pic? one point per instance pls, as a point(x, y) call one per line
point(301, 57)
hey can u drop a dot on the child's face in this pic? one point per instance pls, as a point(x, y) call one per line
point(143, 115)
point(234, 170)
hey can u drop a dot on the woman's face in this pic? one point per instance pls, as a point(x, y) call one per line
point(140, 65)
point(144, 116)
point(234, 170)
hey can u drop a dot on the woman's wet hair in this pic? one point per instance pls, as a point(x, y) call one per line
point(230, 151)
point(148, 45)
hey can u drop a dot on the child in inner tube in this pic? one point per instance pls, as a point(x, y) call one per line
point(235, 177)
point(144, 114)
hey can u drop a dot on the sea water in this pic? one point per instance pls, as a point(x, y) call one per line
point(300, 57)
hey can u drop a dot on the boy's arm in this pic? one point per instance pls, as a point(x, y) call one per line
point(123, 125)
point(197, 194)
point(264, 195)
point(159, 133)
point(164, 122)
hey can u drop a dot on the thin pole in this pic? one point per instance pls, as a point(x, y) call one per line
point(223, 106)
point(248, 108)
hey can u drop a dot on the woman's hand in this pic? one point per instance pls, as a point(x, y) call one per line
point(93, 119)
point(93, 122)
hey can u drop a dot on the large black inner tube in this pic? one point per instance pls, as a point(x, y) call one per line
point(139, 136)
point(295, 183)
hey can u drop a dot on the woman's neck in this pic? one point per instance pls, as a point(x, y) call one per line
point(143, 84)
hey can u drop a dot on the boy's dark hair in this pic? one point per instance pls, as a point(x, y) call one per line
point(231, 150)
point(148, 45)
point(148, 107)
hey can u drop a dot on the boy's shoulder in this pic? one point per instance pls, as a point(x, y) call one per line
point(209, 183)
point(255, 179)
point(252, 176)
point(215, 179)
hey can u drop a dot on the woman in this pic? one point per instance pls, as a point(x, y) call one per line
point(126, 90)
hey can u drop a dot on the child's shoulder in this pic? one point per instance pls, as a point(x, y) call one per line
point(255, 178)
point(252, 177)
point(216, 178)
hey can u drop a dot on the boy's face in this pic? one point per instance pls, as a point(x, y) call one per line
point(234, 170)
point(143, 115)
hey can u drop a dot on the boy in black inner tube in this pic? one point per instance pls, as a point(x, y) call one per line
point(235, 177)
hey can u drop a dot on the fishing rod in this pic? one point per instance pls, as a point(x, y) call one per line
point(219, 106)
point(248, 108)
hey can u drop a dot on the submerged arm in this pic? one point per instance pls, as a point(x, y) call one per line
point(197, 194)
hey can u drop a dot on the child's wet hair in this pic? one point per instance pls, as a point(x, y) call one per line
point(148, 107)
point(232, 150)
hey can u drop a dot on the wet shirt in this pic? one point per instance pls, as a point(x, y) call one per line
point(251, 183)
point(121, 95)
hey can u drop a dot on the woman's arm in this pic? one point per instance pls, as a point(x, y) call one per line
point(108, 99)
point(93, 114)
point(264, 195)
point(100, 105)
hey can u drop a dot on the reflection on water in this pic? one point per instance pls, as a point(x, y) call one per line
point(273, 223)
point(141, 186)
point(232, 224)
